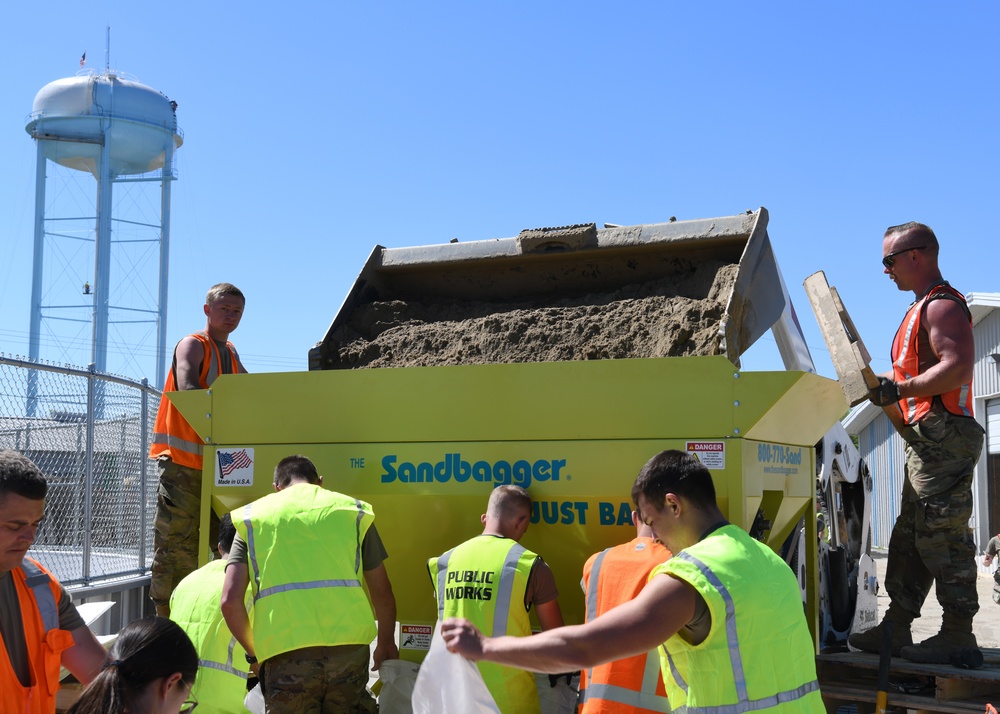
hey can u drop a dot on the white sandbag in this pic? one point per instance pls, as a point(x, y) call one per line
point(398, 678)
point(254, 700)
point(450, 684)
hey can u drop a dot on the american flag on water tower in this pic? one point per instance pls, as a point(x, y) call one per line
point(83, 59)
point(230, 461)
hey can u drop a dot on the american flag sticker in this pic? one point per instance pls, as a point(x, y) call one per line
point(234, 467)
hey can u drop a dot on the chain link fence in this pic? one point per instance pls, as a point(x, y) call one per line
point(89, 433)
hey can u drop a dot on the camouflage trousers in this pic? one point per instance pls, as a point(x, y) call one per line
point(931, 543)
point(318, 679)
point(176, 530)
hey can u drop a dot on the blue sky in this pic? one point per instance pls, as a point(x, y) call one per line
point(314, 131)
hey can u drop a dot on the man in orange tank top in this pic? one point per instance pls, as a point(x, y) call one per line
point(931, 386)
point(198, 360)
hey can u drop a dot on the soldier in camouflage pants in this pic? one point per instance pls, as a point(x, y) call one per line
point(334, 676)
point(931, 541)
point(176, 530)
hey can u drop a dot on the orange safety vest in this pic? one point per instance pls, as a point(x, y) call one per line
point(906, 360)
point(633, 685)
point(172, 435)
point(38, 594)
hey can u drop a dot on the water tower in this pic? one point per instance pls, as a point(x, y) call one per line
point(102, 260)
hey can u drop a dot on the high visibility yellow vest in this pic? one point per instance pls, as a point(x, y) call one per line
point(759, 655)
point(304, 547)
point(221, 684)
point(632, 685)
point(484, 580)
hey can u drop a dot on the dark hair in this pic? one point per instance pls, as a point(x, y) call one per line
point(675, 472)
point(295, 467)
point(18, 474)
point(919, 233)
point(146, 650)
point(227, 532)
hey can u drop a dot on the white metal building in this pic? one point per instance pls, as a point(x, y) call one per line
point(882, 447)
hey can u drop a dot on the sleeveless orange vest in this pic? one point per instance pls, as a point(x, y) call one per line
point(172, 435)
point(633, 685)
point(38, 594)
point(906, 360)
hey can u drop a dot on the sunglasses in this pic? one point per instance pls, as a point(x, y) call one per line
point(887, 261)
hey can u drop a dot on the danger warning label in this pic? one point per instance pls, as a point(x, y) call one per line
point(415, 637)
point(710, 453)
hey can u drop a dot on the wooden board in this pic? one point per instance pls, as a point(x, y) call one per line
point(848, 352)
point(851, 677)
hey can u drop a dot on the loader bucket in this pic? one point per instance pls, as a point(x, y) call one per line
point(722, 269)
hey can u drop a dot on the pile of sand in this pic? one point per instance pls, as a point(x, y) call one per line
point(678, 315)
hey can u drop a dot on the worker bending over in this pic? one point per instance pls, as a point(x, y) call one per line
point(493, 581)
point(614, 576)
point(221, 685)
point(304, 549)
point(725, 608)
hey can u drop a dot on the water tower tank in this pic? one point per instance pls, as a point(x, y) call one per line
point(70, 117)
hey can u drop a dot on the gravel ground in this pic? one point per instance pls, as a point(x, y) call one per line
point(986, 624)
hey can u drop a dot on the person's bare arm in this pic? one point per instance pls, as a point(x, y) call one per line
point(188, 356)
point(549, 615)
point(950, 336)
point(86, 657)
point(234, 609)
point(240, 369)
point(663, 607)
point(384, 602)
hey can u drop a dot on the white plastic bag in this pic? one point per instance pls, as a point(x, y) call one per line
point(398, 678)
point(254, 700)
point(450, 684)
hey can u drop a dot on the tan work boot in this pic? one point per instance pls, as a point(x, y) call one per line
point(942, 648)
point(871, 640)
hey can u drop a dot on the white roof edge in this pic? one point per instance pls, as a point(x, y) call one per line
point(982, 304)
point(860, 416)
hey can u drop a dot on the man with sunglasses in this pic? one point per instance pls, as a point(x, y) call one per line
point(931, 386)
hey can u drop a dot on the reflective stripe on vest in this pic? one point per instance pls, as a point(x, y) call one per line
point(172, 435)
point(906, 360)
point(39, 582)
point(37, 597)
point(226, 666)
point(488, 584)
point(306, 573)
point(745, 704)
point(504, 590)
point(221, 682)
point(647, 697)
point(302, 585)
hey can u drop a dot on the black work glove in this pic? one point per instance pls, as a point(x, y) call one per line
point(885, 394)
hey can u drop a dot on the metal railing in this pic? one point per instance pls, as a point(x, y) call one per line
point(89, 433)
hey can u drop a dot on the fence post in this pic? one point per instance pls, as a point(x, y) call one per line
point(144, 450)
point(88, 476)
